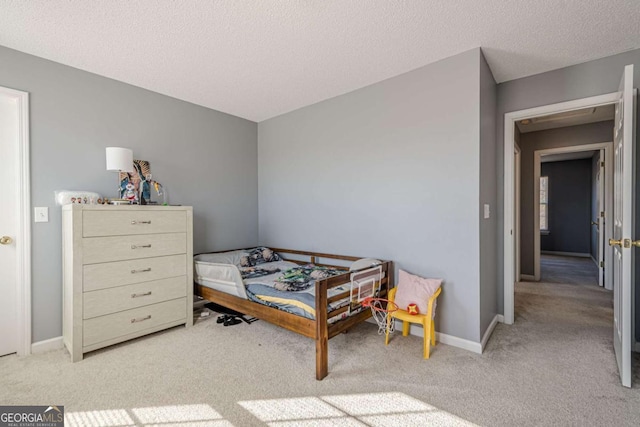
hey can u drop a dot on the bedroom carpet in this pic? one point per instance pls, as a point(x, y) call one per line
point(554, 366)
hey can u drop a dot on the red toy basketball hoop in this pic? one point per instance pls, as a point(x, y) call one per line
point(381, 310)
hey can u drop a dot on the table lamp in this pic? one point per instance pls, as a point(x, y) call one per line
point(120, 160)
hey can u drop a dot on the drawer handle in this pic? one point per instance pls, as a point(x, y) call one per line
point(134, 222)
point(140, 246)
point(141, 319)
point(144, 270)
point(141, 295)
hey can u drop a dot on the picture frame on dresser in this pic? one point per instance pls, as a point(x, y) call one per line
point(127, 272)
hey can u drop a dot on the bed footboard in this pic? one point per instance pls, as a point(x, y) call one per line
point(326, 330)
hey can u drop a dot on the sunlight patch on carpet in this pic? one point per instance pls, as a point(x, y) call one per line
point(371, 409)
point(302, 408)
point(105, 418)
point(176, 413)
point(199, 415)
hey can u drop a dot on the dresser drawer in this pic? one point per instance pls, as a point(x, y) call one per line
point(124, 222)
point(114, 325)
point(119, 248)
point(107, 301)
point(110, 274)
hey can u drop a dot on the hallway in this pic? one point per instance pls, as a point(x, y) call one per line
point(568, 319)
point(568, 270)
point(567, 312)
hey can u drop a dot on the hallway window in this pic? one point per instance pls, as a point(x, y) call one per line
point(544, 203)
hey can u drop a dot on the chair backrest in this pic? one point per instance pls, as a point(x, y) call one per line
point(430, 302)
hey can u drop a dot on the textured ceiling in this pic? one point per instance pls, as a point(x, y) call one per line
point(259, 59)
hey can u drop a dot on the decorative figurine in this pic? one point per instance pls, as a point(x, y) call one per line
point(130, 193)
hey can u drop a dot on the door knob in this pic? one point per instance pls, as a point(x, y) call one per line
point(613, 242)
point(6, 240)
point(636, 243)
point(594, 223)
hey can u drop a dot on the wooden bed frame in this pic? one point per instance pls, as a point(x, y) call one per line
point(319, 329)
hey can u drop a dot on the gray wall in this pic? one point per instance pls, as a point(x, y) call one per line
point(389, 171)
point(205, 158)
point(595, 211)
point(579, 81)
point(554, 138)
point(569, 206)
point(488, 195)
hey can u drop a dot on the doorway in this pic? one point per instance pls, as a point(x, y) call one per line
point(623, 221)
point(589, 224)
point(510, 135)
point(571, 214)
point(15, 235)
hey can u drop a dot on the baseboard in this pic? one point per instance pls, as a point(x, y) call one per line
point(455, 341)
point(475, 347)
point(576, 254)
point(488, 332)
point(47, 345)
point(528, 277)
point(443, 338)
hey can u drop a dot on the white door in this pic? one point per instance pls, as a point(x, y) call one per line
point(599, 220)
point(9, 116)
point(622, 225)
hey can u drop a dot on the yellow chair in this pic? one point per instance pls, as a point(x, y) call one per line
point(426, 320)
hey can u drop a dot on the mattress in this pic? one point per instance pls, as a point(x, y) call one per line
point(221, 271)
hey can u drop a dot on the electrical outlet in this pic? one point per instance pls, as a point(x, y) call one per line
point(41, 214)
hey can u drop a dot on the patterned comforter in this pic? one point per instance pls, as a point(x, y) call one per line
point(292, 289)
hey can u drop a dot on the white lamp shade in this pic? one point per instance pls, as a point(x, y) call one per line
point(119, 159)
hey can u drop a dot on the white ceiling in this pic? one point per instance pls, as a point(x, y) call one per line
point(259, 59)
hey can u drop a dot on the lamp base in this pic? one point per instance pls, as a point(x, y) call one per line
point(119, 202)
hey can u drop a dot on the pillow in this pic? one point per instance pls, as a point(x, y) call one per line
point(259, 255)
point(415, 290)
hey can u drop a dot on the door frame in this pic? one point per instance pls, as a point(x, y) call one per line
point(510, 120)
point(517, 200)
point(608, 192)
point(23, 237)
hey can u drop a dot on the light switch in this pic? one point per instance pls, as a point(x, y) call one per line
point(41, 214)
point(487, 211)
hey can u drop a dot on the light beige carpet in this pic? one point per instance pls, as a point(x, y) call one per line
point(554, 366)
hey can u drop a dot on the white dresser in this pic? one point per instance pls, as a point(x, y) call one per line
point(128, 272)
